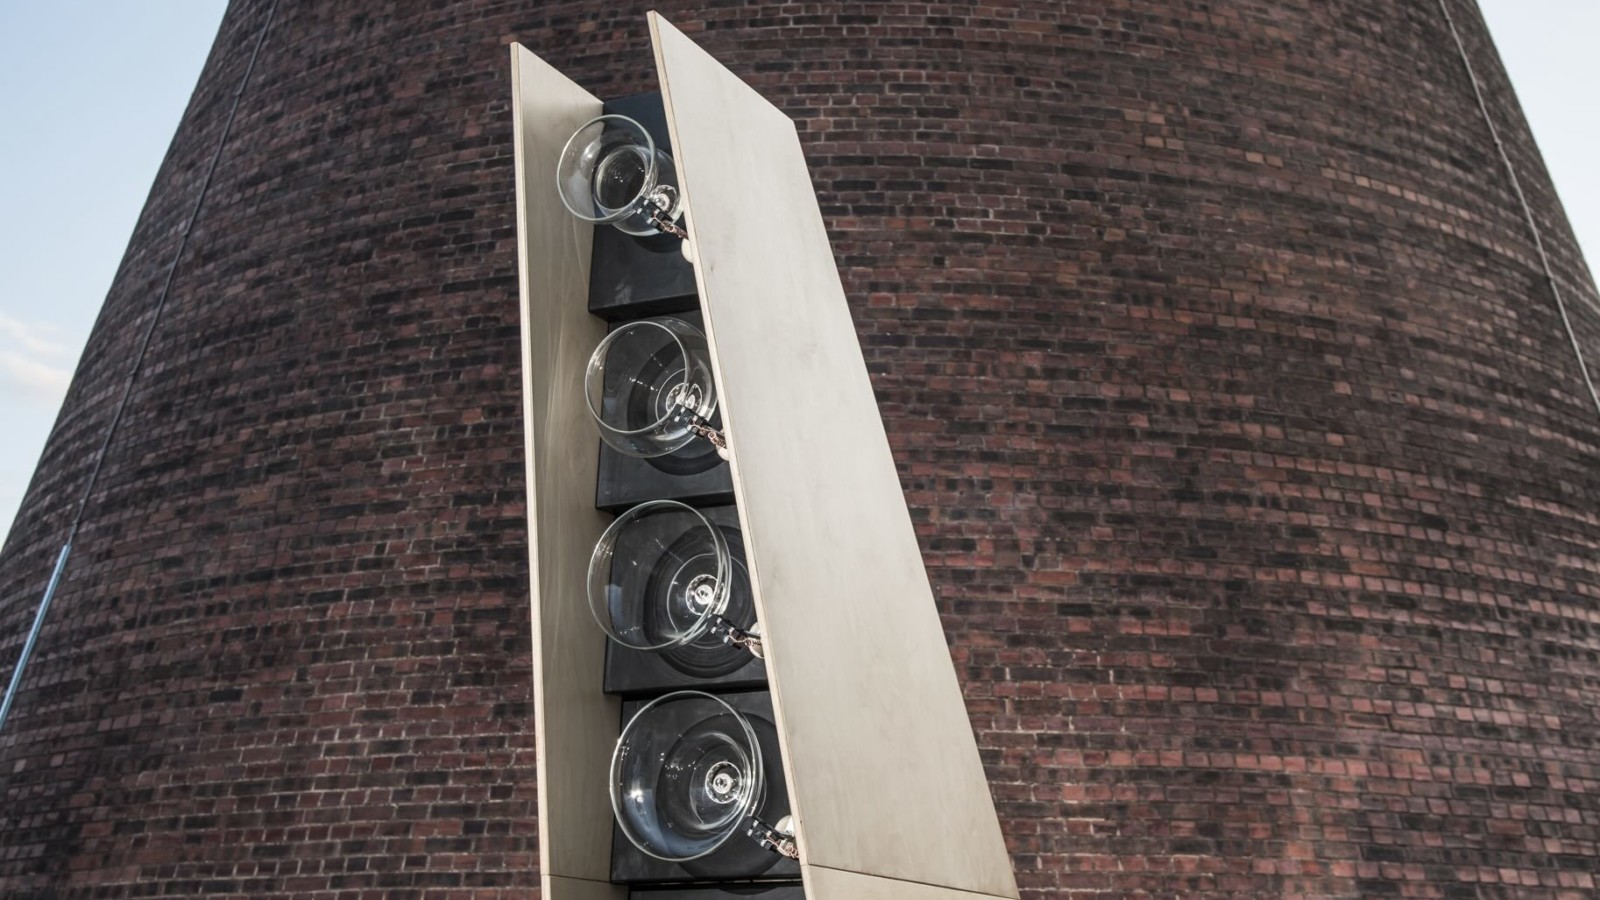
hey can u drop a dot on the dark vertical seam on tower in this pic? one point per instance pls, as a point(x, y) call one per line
point(172, 271)
point(1527, 211)
point(138, 365)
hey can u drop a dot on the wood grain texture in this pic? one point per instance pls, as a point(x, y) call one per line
point(832, 884)
point(883, 769)
point(554, 887)
point(577, 724)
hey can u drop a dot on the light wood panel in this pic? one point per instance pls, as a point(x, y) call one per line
point(557, 888)
point(883, 769)
point(577, 724)
point(837, 885)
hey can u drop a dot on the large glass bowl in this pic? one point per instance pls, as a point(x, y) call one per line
point(659, 576)
point(686, 774)
point(646, 382)
point(611, 172)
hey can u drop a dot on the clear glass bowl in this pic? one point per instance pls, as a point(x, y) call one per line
point(686, 774)
point(611, 172)
point(646, 381)
point(658, 576)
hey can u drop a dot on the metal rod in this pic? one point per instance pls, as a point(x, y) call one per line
point(33, 635)
point(1522, 198)
point(138, 366)
point(172, 269)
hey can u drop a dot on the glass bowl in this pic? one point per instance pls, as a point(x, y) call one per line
point(658, 576)
point(611, 172)
point(647, 382)
point(686, 774)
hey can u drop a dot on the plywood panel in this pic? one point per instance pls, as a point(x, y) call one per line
point(883, 769)
point(558, 888)
point(577, 724)
point(832, 884)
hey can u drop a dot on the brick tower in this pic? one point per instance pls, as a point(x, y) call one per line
point(1252, 460)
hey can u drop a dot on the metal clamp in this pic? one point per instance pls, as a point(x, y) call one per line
point(738, 637)
point(688, 404)
point(658, 218)
point(714, 437)
point(779, 840)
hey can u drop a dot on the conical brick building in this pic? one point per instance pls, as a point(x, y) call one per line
point(1251, 458)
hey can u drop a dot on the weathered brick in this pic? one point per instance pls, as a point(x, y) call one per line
point(1249, 459)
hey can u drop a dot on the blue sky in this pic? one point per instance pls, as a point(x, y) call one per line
point(91, 93)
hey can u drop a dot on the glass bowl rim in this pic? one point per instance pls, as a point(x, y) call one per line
point(599, 352)
point(724, 571)
point(650, 171)
point(755, 757)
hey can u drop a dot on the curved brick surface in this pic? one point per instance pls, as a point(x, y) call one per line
point(1250, 461)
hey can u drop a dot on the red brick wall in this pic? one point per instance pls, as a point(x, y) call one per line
point(1251, 463)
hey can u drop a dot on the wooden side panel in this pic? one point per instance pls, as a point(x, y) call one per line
point(577, 724)
point(883, 768)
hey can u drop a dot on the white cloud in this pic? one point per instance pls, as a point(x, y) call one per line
point(35, 339)
point(40, 383)
point(35, 366)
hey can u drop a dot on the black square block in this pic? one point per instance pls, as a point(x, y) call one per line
point(633, 277)
point(787, 891)
point(694, 475)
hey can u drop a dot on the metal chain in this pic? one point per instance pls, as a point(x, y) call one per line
point(688, 408)
point(658, 218)
point(59, 573)
point(710, 434)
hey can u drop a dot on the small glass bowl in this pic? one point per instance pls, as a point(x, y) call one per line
point(686, 774)
point(611, 172)
point(647, 382)
point(659, 576)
